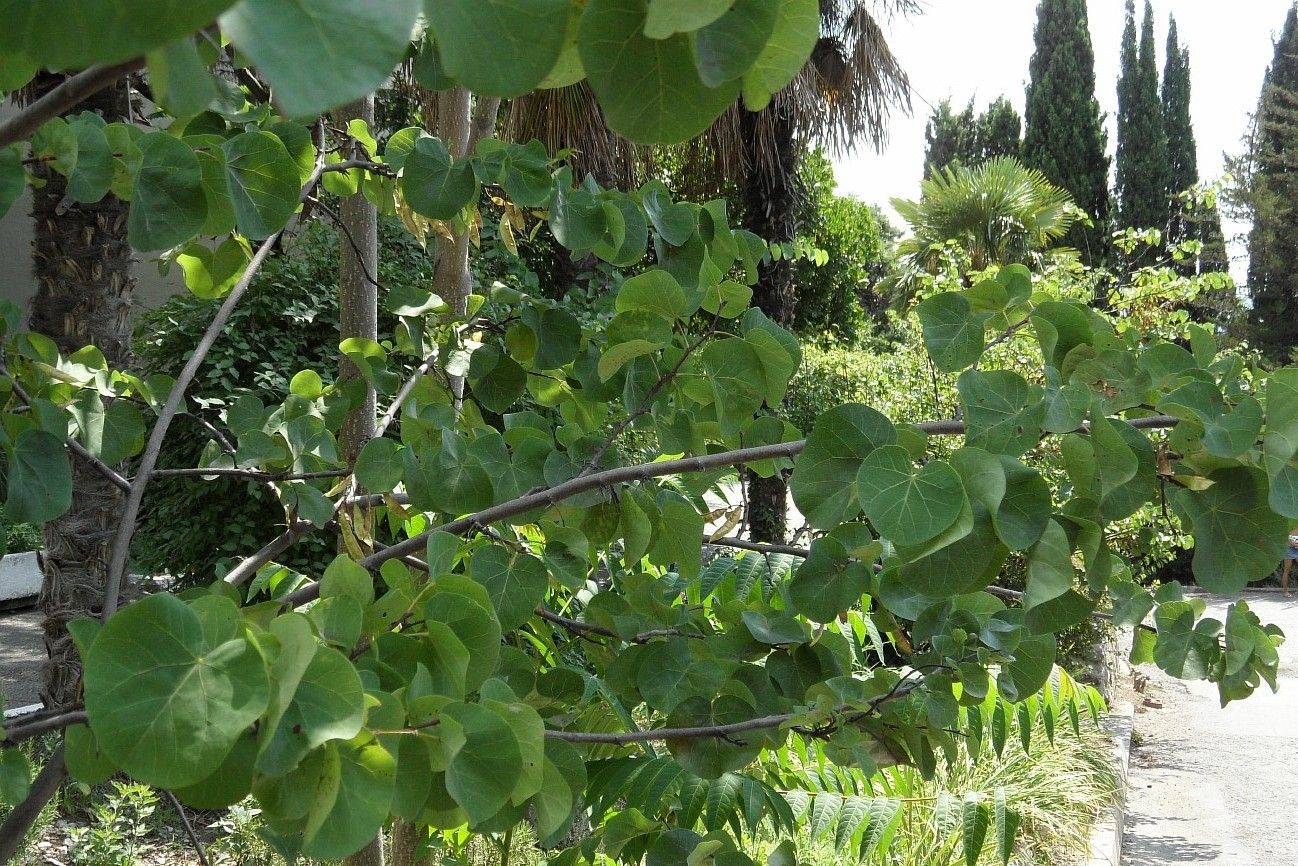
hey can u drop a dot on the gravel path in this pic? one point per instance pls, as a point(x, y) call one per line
point(1211, 785)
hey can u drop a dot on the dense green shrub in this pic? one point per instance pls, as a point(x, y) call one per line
point(287, 321)
point(836, 299)
point(881, 376)
point(21, 537)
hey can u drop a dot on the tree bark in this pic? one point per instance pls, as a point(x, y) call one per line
point(460, 124)
point(358, 291)
point(405, 843)
point(358, 295)
point(770, 211)
point(82, 264)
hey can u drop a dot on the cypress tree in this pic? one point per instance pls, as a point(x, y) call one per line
point(999, 131)
point(1064, 135)
point(1272, 198)
point(959, 138)
point(1182, 159)
point(1142, 169)
point(948, 138)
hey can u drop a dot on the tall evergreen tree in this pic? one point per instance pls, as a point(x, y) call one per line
point(1271, 198)
point(949, 137)
point(999, 131)
point(1064, 131)
point(954, 139)
point(1182, 159)
point(1183, 165)
point(1142, 170)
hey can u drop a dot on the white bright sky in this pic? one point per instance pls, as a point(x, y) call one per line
point(980, 49)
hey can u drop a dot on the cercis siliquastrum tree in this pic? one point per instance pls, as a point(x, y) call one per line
point(520, 603)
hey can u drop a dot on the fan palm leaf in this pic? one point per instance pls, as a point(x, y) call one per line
point(999, 212)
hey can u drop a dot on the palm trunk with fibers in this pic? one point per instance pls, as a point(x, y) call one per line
point(82, 264)
point(770, 207)
point(358, 271)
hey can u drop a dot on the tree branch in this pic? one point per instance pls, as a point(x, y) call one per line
point(56, 722)
point(721, 732)
point(153, 448)
point(244, 571)
point(19, 822)
point(61, 99)
point(251, 474)
point(759, 547)
point(621, 475)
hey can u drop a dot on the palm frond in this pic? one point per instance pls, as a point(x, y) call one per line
point(999, 212)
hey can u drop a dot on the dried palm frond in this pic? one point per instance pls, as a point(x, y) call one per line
point(842, 96)
point(570, 118)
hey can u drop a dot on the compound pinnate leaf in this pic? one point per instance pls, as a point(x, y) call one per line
point(166, 704)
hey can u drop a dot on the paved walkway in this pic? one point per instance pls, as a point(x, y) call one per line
point(21, 657)
point(1217, 786)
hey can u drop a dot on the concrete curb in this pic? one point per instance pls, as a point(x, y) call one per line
point(1106, 835)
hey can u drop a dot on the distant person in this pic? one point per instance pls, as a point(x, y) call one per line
point(1290, 555)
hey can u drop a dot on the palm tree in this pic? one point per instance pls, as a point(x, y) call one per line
point(841, 97)
point(82, 264)
point(998, 213)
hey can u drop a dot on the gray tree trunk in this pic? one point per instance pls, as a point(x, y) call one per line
point(358, 271)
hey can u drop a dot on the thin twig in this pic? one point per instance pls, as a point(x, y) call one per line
point(645, 404)
point(721, 732)
point(189, 829)
point(576, 625)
